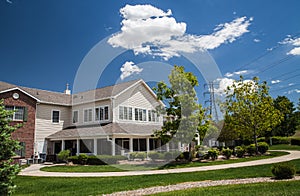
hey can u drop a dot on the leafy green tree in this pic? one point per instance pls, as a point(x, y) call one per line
point(186, 116)
point(249, 109)
point(8, 170)
point(288, 125)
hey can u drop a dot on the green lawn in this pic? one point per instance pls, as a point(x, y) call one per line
point(272, 188)
point(115, 168)
point(97, 186)
point(284, 147)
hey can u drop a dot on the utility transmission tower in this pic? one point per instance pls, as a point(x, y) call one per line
point(213, 112)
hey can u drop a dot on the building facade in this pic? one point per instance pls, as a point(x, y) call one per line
point(111, 120)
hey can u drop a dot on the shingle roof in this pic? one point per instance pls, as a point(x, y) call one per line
point(106, 130)
point(64, 99)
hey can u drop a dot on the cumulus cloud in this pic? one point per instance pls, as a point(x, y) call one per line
point(129, 68)
point(275, 81)
point(150, 30)
point(237, 73)
point(294, 42)
point(224, 83)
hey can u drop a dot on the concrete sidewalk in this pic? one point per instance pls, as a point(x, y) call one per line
point(34, 170)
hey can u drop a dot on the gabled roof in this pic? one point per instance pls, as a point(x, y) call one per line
point(42, 96)
point(50, 97)
point(110, 129)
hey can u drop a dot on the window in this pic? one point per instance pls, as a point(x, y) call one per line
point(125, 113)
point(75, 116)
point(88, 115)
point(152, 116)
point(55, 116)
point(21, 152)
point(20, 113)
point(101, 113)
point(140, 114)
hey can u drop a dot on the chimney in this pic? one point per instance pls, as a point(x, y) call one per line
point(67, 91)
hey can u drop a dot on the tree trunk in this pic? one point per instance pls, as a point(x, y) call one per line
point(255, 141)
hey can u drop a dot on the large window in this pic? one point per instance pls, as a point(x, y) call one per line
point(19, 114)
point(125, 113)
point(75, 116)
point(101, 113)
point(55, 116)
point(88, 115)
point(140, 114)
point(152, 116)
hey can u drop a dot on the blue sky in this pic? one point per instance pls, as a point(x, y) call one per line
point(46, 44)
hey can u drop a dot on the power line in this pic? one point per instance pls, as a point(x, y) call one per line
point(212, 106)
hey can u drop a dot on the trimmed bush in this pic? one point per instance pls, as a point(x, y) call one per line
point(251, 149)
point(295, 141)
point(73, 159)
point(82, 159)
point(98, 160)
point(240, 151)
point(283, 170)
point(263, 147)
point(280, 140)
point(213, 153)
point(137, 155)
point(261, 139)
point(63, 155)
point(153, 155)
point(227, 152)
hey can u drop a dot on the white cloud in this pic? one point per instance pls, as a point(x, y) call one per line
point(150, 30)
point(275, 81)
point(256, 40)
point(242, 72)
point(291, 84)
point(129, 68)
point(293, 91)
point(224, 83)
point(294, 42)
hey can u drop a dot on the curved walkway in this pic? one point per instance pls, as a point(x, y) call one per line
point(34, 170)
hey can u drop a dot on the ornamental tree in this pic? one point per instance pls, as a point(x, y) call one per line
point(8, 170)
point(186, 116)
point(249, 109)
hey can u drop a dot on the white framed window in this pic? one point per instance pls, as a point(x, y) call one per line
point(101, 113)
point(55, 116)
point(19, 113)
point(87, 115)
point(140, 114)
point(152, 116)
point(75, 116)
point(125, 113)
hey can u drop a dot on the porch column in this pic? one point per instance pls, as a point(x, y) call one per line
point(95, 146)
point(179, 146)
point(168, 147)
point(113, 147)
point(62, 144)
point(130, 145)
point(147, 144)
point(77, 147)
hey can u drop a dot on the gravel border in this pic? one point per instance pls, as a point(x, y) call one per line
point(187, 185)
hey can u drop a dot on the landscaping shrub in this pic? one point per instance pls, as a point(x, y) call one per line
point(261, 139)
point(132, 155)
point(82, 159)
point(180, 157)
point(280, 140)
point(251, 149)
point(263, 147)
point(153, 155)
point(240, 151)
point(227, 152)
point(295, 141)
point(213, 153)
point(140, 155)
point(63, 155)
point(73, 159)
point(283, 170)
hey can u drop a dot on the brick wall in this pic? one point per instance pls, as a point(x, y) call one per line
point(26, 132)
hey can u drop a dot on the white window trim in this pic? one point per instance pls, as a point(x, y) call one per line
point(108, 111)
point(132, 113)
point(92, 115)
point(58, 116)
point(13, 115)
point(77, 116)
